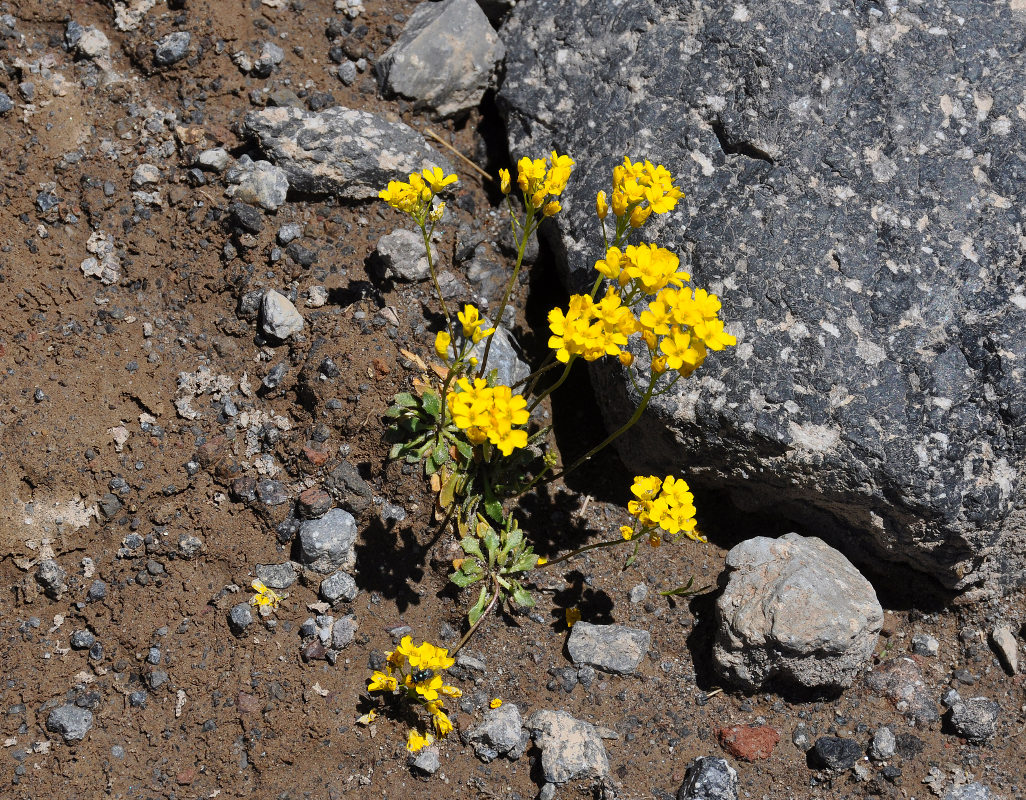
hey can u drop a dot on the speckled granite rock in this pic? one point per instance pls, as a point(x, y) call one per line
point(444, 58)
point(341, 151)
point(855, 184)
point(794, 613)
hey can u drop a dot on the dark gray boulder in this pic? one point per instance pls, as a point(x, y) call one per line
point(855, 181)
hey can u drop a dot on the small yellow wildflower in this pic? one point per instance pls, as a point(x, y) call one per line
point(542, 561)
point(437, 179)
point(601, 206)
point(442, 342)
point(573, 615)
point(380, 682)
point(415, 742)
point(265, 597)
point(551, 208)
point(473, 323)
point(367, 718)
point(489, 413)
point(504, 181)
point(627, 532)
point(495, 703)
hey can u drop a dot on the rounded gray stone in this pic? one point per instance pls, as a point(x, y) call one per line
point(571, 749)
point(172, 48)
point(240, 618)
point(71, 722)
point(340, 586)
point(279, 317)
point(796, 613)
point(613, 648)
point(328, 544)
point(975, 719)
point(403, 256)
point(277, 576)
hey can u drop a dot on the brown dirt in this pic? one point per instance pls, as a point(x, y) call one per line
point(256, 719)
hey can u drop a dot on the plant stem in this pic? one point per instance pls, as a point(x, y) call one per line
point(614, 435)
point(434, 278)
point(580, 550)
point(474, 627)
point(521, 247)
point(553, 387)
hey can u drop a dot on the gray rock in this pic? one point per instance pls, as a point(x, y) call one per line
point(923, 644)
point(347, 72)
point(289, 232)
point(795, 612)
point(328, 544)
point(708, 779)
point(975, 719)
point(279, 317)
point(638, 594)
point(341, 151)
point(504, 357)
point(270, 56)
point(157, 678)
point(50, 576)
point(82, 639)
point(969, 791)
point(6, 103)
point(425, 760)
point(339, 586)
point(834, 752)
point(93, 43)
point(216, 159)
point(172, 48)
point(189, 546)
point(500, 733)
point(402, 254)
point(71, 722)
point(883, 744)
point(901, 681)
point(1005, 645)
point(444, 58)
point(240, 618)
point(570, 748)
point(97, 591)
point(612, 648)
point(277, 576)
point(145, 175)
point(875, 394)
point(260, 183)
point(343, 631)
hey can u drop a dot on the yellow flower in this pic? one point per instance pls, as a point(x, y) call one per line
point(367, 718)
point(627, 532)
point(415, 742)
point(436, 179)
point(572, 615)
point(265, 597)
point(437, 212)
point(504, 182)
point(442, 342)
point(427, 656)
point(451, 691)
point(653, 267)
point(495, 703)
point(488, 413)
point(472, 323)
point(542, 561)
point(626, 358)
point(380, 682)
point(601, 207)
point(551, 208)
point(443, 725)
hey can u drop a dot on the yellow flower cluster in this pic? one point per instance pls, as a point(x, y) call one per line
point(539, 180)
point(416, 670)
point(640, 190)
point(589, 329)
point(665, 503)
point(678, 325)
point(265, 597)
point(415, 197)
point(489, 413)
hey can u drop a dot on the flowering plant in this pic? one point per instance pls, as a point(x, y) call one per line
point(475, 434)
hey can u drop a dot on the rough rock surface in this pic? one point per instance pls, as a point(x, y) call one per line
point(500, 733)
point(328, 544)
point(341, 151)
point(709, 779)
point(571, 749)
point(403, 256)
point(796, 613)
point(613, 648)
point(279, 317)
point(901, 681)
point(444, 58)
point(854, 194)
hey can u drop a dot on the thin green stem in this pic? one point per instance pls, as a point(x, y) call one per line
point(434, 278)
point(521, 248)
point(613, 436)
point(580, 550)
point(474, 627)
point(548, 364)
point(553, 387)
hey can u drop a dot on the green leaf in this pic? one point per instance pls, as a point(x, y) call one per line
point(686, 590)
point(522, 597)
point(513, 540)
point(493, 508)
point(465, 448)
point(471, 546)
point(462, 579)
point(478, 608)
point(524, 562)
point(491, 544)
point(405, 400)
point(431, 403)
point(396, 450)
point(448, 490)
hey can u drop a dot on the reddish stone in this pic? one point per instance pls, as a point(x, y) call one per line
point(313, 503)
point(211, 452)
point(315, 455)
point(748, 742)
point(186, 776)
point(313, 650)
point(247, 703)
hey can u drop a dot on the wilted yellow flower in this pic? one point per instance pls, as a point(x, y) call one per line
point(415, 742)
point(367, 718)
point(495, 703)
point(265, 597)
point(551, 208)
point(380, 682)
point(437, 212)
point(572, 615)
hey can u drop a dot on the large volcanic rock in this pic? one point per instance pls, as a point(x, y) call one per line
point(855, 176)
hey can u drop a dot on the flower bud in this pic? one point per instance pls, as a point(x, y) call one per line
point(650, 339)
point(600, 205)
point(442, 342)
point(626, 358)
point(639, 215)
point(659, 365)
point(504, 181)
point(551, 208)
